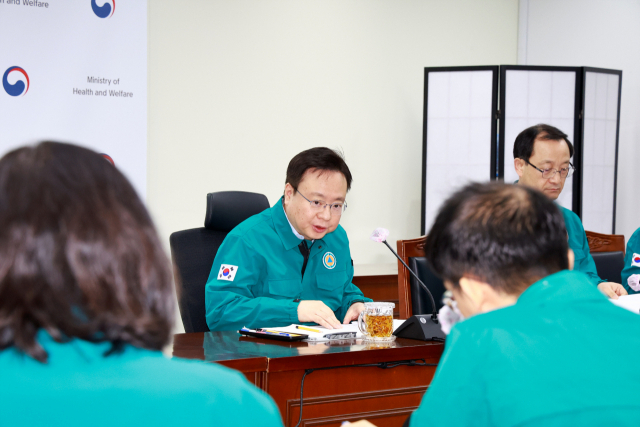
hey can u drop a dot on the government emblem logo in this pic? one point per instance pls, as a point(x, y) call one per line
point(329, 260)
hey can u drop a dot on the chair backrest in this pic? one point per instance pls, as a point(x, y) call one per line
point(599, 242)
point(609, 265)
point(411, 297)
point(607, 251)
point(193, 251)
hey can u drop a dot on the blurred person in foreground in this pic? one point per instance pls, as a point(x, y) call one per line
point(540, 346)
point(86, 305)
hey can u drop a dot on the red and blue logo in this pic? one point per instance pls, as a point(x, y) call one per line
point(18, 88)
point(104, 11)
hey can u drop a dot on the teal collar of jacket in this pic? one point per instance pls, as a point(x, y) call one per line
point(283, 227)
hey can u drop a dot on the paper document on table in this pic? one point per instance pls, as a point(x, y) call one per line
point(349, 331)
point(346, 332)
point(630, 302)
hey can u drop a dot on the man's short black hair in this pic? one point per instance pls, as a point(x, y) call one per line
point(523, 146)
point(506, 235)
point(319, 158)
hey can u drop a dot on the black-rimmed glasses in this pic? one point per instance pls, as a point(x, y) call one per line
point(319, 205)
point(550, 173)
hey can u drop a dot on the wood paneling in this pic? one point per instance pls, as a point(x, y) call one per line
point(599, 242)
point(337, 390)
point(380, 288)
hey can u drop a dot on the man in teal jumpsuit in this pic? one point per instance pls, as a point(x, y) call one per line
point(532, 351)
point(631, 270)
point(542, 156)
point(290, 263)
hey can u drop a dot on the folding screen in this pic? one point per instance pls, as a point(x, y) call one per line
point(459, 123)
point(600, 148)
point(460, 142)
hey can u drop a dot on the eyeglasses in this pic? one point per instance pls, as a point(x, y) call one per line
point(319, 205)
point(550, 173)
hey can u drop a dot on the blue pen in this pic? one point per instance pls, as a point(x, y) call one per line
point(266, 331)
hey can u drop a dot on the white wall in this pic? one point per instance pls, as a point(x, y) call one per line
point(598, 34)
point(237, 88)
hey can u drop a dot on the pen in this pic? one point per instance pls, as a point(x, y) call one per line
point(307, 329)
point(267, 331)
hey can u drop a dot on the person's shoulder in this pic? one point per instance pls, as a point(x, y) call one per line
point(572, 222)
point(569, 215)
point(253, 224)
point(634, 240)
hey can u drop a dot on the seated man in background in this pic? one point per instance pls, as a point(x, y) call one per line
point(542, 156)
point(291, 262)
point(86, 306)
point(538, 339)
point(631, 270)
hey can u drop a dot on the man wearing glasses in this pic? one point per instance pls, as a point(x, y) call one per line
point(290, 263)
point(542, 156)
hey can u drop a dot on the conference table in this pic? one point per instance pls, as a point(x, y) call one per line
point(343, 381)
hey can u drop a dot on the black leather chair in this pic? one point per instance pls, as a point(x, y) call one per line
point(609, 265)
point(412, 298)
point(421, 303)
point(193, 251)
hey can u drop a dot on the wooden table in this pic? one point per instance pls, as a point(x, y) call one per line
point(336, 390)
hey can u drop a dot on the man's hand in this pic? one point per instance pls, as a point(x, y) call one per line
point(318, 312)
point(612, 290)
point(353, 312)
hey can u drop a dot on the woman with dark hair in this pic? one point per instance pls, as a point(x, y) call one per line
point(86, 305)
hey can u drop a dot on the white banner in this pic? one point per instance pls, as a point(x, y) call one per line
point(76, 71)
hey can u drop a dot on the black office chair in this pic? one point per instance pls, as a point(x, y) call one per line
point(193, 251)
point(421, 303)
point(609, 265)
point(412, 298)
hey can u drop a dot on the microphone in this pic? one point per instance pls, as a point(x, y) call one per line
point(417, 326)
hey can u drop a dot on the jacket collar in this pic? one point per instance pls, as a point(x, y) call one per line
point(283, 227)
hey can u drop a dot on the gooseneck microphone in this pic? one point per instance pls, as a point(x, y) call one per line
point(417, 326)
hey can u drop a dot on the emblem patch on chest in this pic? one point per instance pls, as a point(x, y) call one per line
point(227, 272)
point(329, 260)
point(635, 260)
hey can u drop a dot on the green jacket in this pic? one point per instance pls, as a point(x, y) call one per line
point(580, 246)
point(631, 270)
point(79, 386)
point(555, 358)
point(265, 266)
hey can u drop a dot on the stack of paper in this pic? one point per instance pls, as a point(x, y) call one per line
point(350, 331)
point(630, 302)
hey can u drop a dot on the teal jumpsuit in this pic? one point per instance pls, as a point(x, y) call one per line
point(631, 270)
point(580, 246)
point(80, 386)
point(256, 279)
point(555, 358)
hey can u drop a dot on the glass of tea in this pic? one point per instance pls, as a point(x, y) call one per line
point(376, 321)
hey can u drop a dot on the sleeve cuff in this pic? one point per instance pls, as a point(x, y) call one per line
point(293, 311)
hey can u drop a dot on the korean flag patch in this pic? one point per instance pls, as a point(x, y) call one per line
point(635, 260)
point(227, 272)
